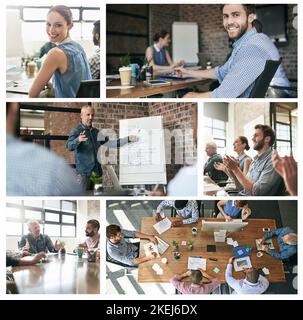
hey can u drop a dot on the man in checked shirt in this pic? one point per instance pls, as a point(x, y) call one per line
point(94, 61)
point(185, 209)
point(250, 52)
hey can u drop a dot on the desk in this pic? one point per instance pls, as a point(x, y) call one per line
point(23, 77)
point(244, 237)
point(141, 90)
point(61, 274)
point(208, 181)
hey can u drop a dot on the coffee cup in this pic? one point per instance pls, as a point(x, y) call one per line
point(194, 231)
point(164, 260)
point(31, 67)
point(79, 252)
point(125, 75)
point(134, 68)
point(259, 254)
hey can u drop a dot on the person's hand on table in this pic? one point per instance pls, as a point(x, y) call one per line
point(153, 255)
point(153, 239)
point(158, 217)
point(264, 248)
point(261, 240)
point(82, 136)
point(132, 138)
point(177, 223)
point(228, 218)
point(231, 260)
point(219, 166)
point(179, 71)
point(37, 257)
point(26, 253)
point(190, 95)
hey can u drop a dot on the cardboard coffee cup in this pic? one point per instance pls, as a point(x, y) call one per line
point(31, 67)
point(125, 76)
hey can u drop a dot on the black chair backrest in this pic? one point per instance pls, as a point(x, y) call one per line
point(263, 81)
point(89, 89)
point(111, 260)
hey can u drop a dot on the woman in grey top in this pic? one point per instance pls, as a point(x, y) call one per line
point(240, 146)
point(158, 56)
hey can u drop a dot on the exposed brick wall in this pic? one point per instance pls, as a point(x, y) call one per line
point(290, 52)
point(214, 40)
point(175, 116)
point(162, 16)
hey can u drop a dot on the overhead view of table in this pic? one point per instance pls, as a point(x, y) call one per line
point(60, 274)
point(141, 90)
point(247, 236)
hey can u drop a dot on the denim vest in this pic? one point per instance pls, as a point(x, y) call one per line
point(159, 57)
point(67, 84)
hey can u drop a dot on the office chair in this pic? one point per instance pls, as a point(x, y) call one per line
point(89, 89)
point(263, 81)
point(126, 267)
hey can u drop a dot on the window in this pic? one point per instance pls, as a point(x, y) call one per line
point(57, 218)
point(284, 122)
point(34, 17)
point(216, 129)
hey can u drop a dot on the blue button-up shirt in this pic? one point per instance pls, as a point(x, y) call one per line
point(286, 250)
point(246, 63)
point(266, 180)
point(190, 213)
point(124, 251)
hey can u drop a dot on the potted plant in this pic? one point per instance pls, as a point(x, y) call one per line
point(97, 181)
point(175, 245)
point(62, 250)
point(190, 245)
point(125, 60)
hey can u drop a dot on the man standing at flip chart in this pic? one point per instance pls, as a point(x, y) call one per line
point(84, 140)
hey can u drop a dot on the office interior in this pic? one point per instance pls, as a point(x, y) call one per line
point(49, 213)
point(130, 29)
point(22, 45)
point(49, 125)
point(129, 214)
point(63, 220)
point(224, 122)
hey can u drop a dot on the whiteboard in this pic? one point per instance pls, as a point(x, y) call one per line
point(143, 162)
point(185, 42)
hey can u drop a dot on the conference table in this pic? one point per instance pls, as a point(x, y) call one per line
point(141, 90)
point(66, 274)
point(247, 236)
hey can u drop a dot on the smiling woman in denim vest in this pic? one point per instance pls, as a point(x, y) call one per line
point(66, 64)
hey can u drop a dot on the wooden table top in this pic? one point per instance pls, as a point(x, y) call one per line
point(22, 76)
point(208, 180)
point(247, 236)
point(141, 90)
point(61, 274)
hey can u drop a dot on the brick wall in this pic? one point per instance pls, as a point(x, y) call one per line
point(214, 40)
point(175, 116)
point(162, 17)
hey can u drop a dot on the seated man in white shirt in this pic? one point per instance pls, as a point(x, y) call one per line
point(254, 283)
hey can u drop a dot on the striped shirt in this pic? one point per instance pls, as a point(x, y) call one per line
point(247, 61)
point(189, 214)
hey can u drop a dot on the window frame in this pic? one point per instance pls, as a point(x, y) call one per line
point(43, 220)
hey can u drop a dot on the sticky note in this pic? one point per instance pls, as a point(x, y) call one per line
point(183, 243)
point(216, 270)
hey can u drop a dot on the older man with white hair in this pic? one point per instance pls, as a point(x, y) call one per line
point(287, 241)
point(84, 140)
point(35, 242)
point(213, 157)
